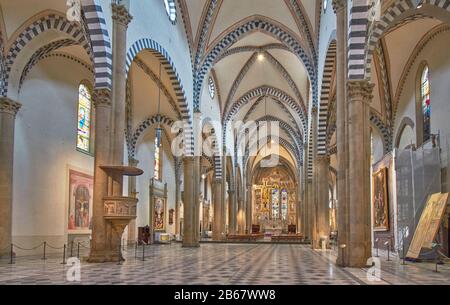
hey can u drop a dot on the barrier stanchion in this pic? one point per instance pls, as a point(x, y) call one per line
point(143, 252)
point(377, 244)
point(64, 255)
point(45, 251)
point(78, 250)
point(11, 254)
point(135, 249)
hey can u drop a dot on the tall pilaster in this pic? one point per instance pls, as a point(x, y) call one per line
point(177, 199)
point(240, 215)
point(249, 208)
point(323, 212)
point(218, 231)
point(340, 8)
point(305, 196)
point(191, 202)
point(359, 247)
point(232, 212)
point(8, 112)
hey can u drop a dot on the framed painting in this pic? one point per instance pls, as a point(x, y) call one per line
point(380, 201)
point(81, 190)
point(159, 214)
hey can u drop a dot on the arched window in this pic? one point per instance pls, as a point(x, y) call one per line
point(157, 170)
point(84, 118)
point(425, 102)
point(171, 10)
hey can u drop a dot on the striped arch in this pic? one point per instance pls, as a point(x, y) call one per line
point(142, 127)
point(258, 23)
point(43, 24)
point(282, 142)
point(360, 57)
point(277, 65)
point(100, 41)
point(216, 149)
point(169, 66)
point(384, 131)
point(330, 63)
point(41, 53)
point(282, 106)
point(263, 91)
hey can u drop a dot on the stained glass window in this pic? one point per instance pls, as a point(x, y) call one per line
point(284, 205)
point(425, 102)
point(84, 119)
point(275, 204)
point(158, 154)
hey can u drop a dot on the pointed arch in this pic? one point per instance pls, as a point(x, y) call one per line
point(245, 27)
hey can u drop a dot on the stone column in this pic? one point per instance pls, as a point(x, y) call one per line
point(359, 246)
point(121, 19)
point(340, 8)
point(132, 193)
point(232, 212)
point(224, 193)
point(249, 208)
point(241, 216)
point(305, 195)
point(8, 111)
point(323, 214)
point(191, 202)
point(217, 206)
point(177, 199)
point(102, 103)
point(298, 202)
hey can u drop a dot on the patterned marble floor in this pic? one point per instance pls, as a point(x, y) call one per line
point(220, 264)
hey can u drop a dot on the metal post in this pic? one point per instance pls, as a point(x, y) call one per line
point(135, 249)
point(45, 250)
point(78, 250)
point(64, 255)
point(71, 248)
point(377, 243)
point(388, 250)
point(143, 252)
point(11, 254)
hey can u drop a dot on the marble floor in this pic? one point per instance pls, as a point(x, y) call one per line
point(220, 264)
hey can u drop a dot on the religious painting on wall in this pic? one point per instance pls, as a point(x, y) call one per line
point(81, 188)
point(159, 214)
point(380, 200)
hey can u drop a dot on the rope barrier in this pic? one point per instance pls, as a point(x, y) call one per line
point(25, 249)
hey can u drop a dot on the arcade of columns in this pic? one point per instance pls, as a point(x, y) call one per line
point(113, 211)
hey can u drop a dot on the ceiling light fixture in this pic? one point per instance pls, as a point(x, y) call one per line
point(261, 57)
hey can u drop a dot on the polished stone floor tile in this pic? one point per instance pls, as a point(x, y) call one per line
point(220, 264)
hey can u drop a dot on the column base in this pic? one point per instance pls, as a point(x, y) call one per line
point(104, 256)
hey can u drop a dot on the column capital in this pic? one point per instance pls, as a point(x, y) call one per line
point(360, 90)
point(339, 5)
point(9, 106)
point(102, 98)
point(323, 158)
point(133, 162)
point(120, 14)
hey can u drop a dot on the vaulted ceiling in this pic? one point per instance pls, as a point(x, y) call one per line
point(258, 61)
